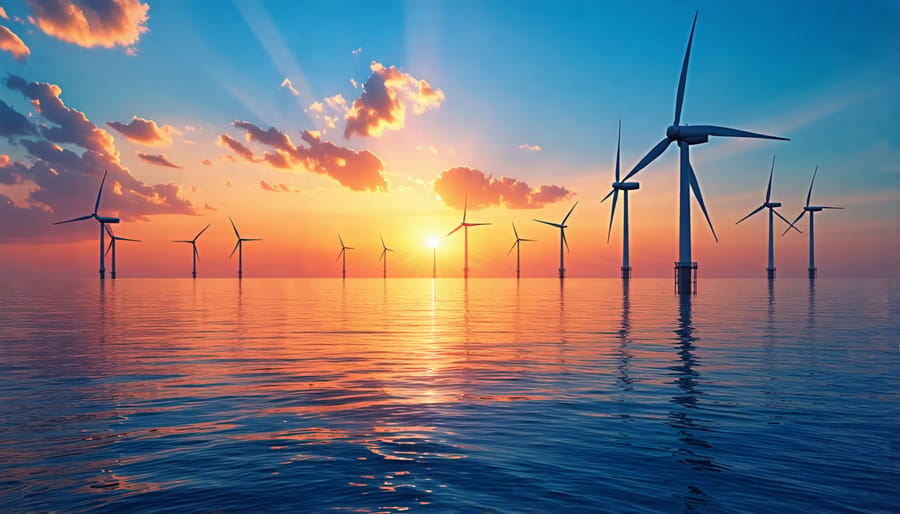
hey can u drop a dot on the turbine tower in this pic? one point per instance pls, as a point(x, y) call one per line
point(811, 209)
point(517, 245)
point(686, 136)
point(193, 243)
point(384, 252)
point(624, 187)
point(343, 255)
point(770, 269)
point(112, 247)
point(465, 226)
point(562, 239)
point(103, 220)
point(239, 247)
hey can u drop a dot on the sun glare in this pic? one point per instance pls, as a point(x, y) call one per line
point(433, 242)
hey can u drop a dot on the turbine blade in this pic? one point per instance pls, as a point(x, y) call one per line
point(182, 241)
point(476, 224)
point(99, 192)
point(824, 207)
point(465, 207)
point(108, 231)
point(513, 247)
point(196, 253)
point(341, 239)
point(382, 254)
point(108, 248)
point(569, 214)
point(74, 219)
point(679, 98)
point(612, 213)
point(454, 230)
point(654, 152)
point(769, 189)
point(795, 221)
point(565, 241)
point(236, 245)
point(235, 228)
point(610, 193)
point(713, 130)
point(790, 225)
point(761, 207)
point(248, 239)
point(340, 254)
point(618, 148)
point(528, 240)
point(811, 182)
point(515, 232)
point(201, 232)
point(382, 241)
point(557, 225)
point(695, 186)
point(349, 248)
point(126, 239)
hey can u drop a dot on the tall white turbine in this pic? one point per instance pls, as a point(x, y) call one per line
point(686, 136)
point(112, 247)
point(383, 257)
point(343, 255)
point(811, 209)
point(239, 247)
point(465, 226)
point(517, 245)
point(562, 239)
point(769, 204)
point(103, 220)
point(624, 187)
point(196, 255)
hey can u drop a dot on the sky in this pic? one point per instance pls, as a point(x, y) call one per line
point(305, 120)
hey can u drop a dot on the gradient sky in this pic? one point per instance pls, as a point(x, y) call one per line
point(302, 120)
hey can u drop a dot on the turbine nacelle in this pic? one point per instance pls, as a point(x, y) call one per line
point(107, 219)
point(626, 186)
point(772, 205)
point(813, 208)
point(687, 134)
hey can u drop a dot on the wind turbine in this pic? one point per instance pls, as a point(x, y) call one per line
point(112, 246)
point(103, 220)
point(239, 247)
point(624, 187)
point(517, 245)
point(811, 209)
point(465, 226)
point(562, 239)
point(196, 255)
point(686, 136)
point(384, 252)
point(770, 269)
point(343, 254)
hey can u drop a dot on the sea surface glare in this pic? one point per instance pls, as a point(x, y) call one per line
point(311, 395)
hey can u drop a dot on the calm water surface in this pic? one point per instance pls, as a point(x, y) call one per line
point(371, 395)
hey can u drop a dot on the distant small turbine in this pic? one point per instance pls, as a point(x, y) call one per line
point(770, 269)
point(103, 220)
point(517, 245)
point(343, 255)
point(625, 187)
point(383, 257)
point(196, 255)
point(112, 247)
point(811, 209)
point(239, 247)
point(562, 239)
point(465, 226)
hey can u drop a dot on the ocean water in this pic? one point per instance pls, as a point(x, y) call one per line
point(449, 396)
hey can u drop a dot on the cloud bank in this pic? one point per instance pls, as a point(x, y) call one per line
point(455, 184)
point(90, 23)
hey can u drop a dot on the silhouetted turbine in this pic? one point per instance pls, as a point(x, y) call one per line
point(517, 245)
point(343, 254)
point(196, 255)
point(562, 239)
point(465, 226)
point(112, 246)
point(624, 187)
point(811, 209)
point(239, 246)
point(103, 220)
point(383, 257)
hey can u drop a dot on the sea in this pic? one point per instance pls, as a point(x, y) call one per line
point(449, 395)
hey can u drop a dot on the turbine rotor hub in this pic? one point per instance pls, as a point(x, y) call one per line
point(773, 204)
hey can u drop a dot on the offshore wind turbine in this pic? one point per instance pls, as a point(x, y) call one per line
point(112, 247)
point(769, 204)
point(239, 247)
point(562, 239)
point(624, 187)
point(196, 255)
point(343, 255)
point(517, 245)
point(811, 209)
point(686, 136)
point(103, 220)
point(384, 252)
point(465, 226)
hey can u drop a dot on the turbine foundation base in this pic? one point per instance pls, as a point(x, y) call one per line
point(770, 273)
point(626, 272)
point(112, 275)
point(686, 278)
point(562, 272)
point(813, 272)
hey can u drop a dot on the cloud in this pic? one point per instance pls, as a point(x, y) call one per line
point(358, 171)
point(91, 23)
point(209, 207)
point(277, 188)
point(68, 154)
point(354, 83)
point(454, 184)
point(159, 160)
point(316, 107)
point(145, 132)
point(357, 51)
point(12, 123)
point(530, 148)
point(383, 103)
point(206, 162)
point(10, 42)
point(286, 83)
point(3, 13)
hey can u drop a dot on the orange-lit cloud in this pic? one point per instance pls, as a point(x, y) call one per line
point(3, 13)
point(277, 188)
point(109, 23)
point(358, 171)
point(159, 160)
point(206, 162)
point(286, 83)
point(145, 132)
point(10, 42)
point(382, 105)
point(455, 184)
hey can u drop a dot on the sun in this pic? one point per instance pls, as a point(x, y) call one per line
point(433, 242)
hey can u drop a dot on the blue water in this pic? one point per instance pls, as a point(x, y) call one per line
point(491, 396)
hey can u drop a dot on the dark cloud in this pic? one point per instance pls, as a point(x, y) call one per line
point(13, 123)
point(10, 42)
point(159, 160)
point(455, 184)
point(90, 23)
point(145, 132)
